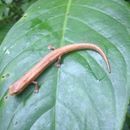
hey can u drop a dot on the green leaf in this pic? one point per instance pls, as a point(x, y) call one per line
point(81, 94)
point(1, 10)
point(127, 122)
point(4, 28)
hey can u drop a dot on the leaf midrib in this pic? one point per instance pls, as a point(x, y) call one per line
point(65, 21)
point(61, 44)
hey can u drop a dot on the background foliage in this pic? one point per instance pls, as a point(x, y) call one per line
point(10, 12)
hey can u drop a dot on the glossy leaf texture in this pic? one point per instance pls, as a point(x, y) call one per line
point(81, 94)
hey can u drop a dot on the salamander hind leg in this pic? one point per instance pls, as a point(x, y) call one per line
point(36, 90)
point(50, 47)
point(58, 63)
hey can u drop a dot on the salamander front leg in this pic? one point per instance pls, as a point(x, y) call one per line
point(36, 90)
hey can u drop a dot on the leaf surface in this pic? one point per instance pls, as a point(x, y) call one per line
point(81, 94)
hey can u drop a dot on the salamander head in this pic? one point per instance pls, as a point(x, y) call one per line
point(15, 89)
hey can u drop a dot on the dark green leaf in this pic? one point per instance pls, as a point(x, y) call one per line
point(3, 30)
point(127, 122)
